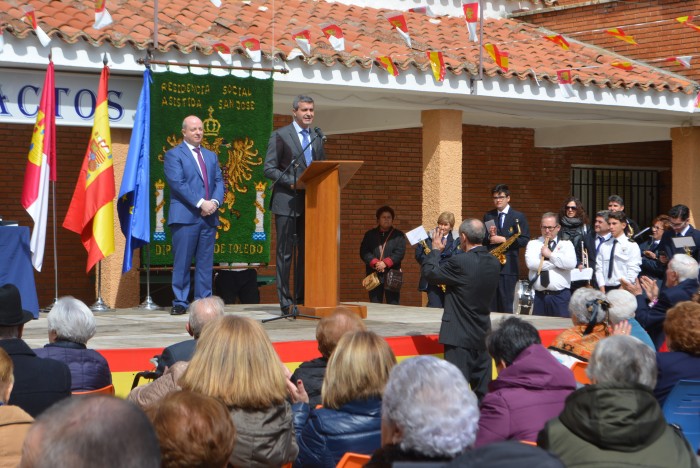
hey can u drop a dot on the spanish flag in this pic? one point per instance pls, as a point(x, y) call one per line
point(501, 58)
point(620, 34)
point(687, 21)
point(559, 40)
point(437, 64)
point(91, 212)
point(388, 64)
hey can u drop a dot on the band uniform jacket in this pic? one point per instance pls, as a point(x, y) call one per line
point(669, 248)
point(471, 279)
point(284, 145)
point(508, 230)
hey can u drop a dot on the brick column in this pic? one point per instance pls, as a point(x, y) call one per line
point(686, 168)
point(442, 165)
point(119, 290)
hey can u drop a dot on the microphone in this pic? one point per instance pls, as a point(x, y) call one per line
point(320, 134)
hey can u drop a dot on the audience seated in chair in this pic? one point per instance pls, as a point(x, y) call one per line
point(14, 421)
point(202, 311)
point(194, 431)
point(682, 329)
point(623, 306)
point(428, 413)
point(531, 387)
point(39, 383)
point(235, 363)
point(94, 431)
point(71, 325)
point(350, 419)
point(328, 331)
point(616, 421)
point(589, 313)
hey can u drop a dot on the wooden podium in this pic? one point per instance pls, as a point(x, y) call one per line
point(323, 181)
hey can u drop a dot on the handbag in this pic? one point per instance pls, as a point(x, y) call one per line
point(393, 280)
point(371, 281)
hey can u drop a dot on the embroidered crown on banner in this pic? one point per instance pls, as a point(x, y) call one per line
point(211, 125)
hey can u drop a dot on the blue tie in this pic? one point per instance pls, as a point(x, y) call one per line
point(307, 147)
point(501, 218)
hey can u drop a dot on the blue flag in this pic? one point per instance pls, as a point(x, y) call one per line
point(132, 204)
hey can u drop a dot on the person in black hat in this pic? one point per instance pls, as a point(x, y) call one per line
point(39, 383)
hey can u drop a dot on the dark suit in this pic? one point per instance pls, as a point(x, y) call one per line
point(652, 268)
point(670, 250)
point(503, 300)
point(436, 296)
point(181, 351)
point(652, 318)
point(192, 234)
point(283, 147)
point(39, 383)
point(471, 279)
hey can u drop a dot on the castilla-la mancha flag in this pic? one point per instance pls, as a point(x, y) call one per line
point(91, 212)
point(41, 168)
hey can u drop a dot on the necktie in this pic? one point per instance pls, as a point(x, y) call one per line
point(611, 262)
point(544, 275)
point(203, 168)
point(501, 218)
point(601, 239)
point(552, 245)
point(307, 147)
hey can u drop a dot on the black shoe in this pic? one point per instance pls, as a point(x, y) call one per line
point(178, 310)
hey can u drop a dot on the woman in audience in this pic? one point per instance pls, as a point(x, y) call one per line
point(14, 421)
point(194, 431)
point(71, 325)
point(589, 313)
point(682, 328)
point(428, 413)
point(531, 387)
point(350, 420)
point(616, 421)
point(235, 363)
point(623, 305)
point(651, 265)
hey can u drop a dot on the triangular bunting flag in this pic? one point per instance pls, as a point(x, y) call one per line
point(224, 52)
point(620, 34)
point(627, 66)
point(252, 48)
point(217, 3)
point(471, 15)
point(696, 106)
point(303, 40)
point(40, 34)
point(102, 16)
point(437, 64)
point(566, 81)
point(682, 60)
point(388, 65)
point(559, 40)
point(398, 21)
point(501, 58)
point(425, 10)
point(686, 20)
point(334, 35)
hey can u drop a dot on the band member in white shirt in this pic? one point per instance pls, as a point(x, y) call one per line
point(618, 257)
point(550, 261)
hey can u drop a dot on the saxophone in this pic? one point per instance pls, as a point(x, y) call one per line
point(500, 251)
point(426, 250)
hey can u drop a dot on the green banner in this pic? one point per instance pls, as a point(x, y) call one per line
point(237, 117)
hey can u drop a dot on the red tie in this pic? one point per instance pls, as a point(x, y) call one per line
point(203, 168)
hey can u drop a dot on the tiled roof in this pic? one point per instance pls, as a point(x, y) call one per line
point(188, 26)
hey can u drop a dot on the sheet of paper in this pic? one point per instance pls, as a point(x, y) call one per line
point(581, 275)
point(416, 235)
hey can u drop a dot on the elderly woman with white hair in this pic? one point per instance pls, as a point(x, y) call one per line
point(589, 314)
point(623, 305)
point(428, 413)
point(71, 325)
point(616, 421)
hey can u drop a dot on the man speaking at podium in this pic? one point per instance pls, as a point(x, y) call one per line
point(297, 145)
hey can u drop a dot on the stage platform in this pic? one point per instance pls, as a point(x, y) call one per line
point(128, 338)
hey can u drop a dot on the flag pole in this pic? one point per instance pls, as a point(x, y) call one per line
point(148, 303)
point(100, 305)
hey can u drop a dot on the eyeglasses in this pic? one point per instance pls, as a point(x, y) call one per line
point(549, 228)
point(655, 228)
point(572, 208)
point(499, 197)
point(677, 225)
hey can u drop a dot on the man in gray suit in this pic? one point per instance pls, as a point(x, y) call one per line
point(298, 145)
point(471, 277)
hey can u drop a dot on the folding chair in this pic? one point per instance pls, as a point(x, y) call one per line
point(682, 408)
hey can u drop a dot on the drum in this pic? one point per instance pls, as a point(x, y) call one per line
point(523, 298)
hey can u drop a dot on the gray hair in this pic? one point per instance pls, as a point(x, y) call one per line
point(623, 359)
point(473, 229)
point(301, 98)
point(605, 214)
point(430, 400)
point(685, 265)
point(579, 309)
point(72, 320)
point(203, 311)
point(623, 305)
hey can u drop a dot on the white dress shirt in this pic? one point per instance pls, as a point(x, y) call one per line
point(559, 264)
point(627, 263)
